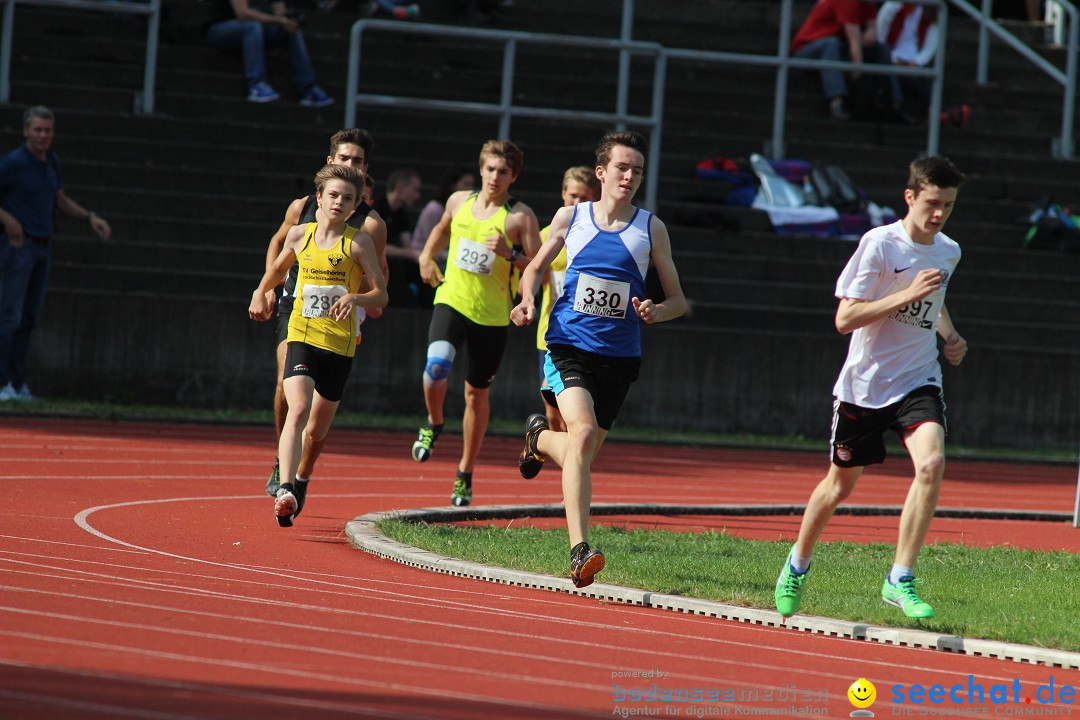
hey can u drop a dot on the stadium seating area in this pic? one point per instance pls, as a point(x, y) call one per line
point(194, 191)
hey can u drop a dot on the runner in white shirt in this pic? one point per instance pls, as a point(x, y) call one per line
point(892, 300)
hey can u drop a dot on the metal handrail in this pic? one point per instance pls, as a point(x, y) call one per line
point(1063, 147)
point(506, 108)
point(144, 102)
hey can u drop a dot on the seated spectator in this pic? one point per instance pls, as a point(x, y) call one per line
point(397, 9)
point(254, 26)
point(841, 30)
point(396, 209)
point(451, 182)
point(911, 32)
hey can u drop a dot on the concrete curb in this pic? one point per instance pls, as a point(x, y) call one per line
point(363, 534)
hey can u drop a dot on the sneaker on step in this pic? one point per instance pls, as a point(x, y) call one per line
point(905, 596)
point(531, 460)
point(8, 393)
point(462, 493)
point(425, 441)
point(789, 589)
point(585, 563)
point(262, 92)
point(406, 12)
point(315, 97)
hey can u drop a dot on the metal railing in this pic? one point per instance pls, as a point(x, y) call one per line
point(144, 100)
point(506, 109)
point(1062, 147)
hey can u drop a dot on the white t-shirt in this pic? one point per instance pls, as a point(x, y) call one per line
point(898, 353)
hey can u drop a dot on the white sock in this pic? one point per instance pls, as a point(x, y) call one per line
point(301, 480)
point(899, 571)
point(799, 563)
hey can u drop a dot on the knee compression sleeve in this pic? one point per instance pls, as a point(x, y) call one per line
point(440, 358)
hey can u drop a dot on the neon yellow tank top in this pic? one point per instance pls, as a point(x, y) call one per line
point(476, 281)
point(552, 290)
point(325, 276)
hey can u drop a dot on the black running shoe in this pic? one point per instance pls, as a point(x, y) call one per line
point(585, 563)
point(274, 482)
point(285, 505)
point(300, 493)
point(531, 460)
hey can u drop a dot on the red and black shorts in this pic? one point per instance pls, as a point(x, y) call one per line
point(858, 433)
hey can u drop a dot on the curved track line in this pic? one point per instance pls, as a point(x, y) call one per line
point(363, 534)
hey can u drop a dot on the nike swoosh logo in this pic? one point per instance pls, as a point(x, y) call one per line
point(900, 270)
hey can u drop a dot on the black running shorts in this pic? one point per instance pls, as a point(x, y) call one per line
point(858, 436)
point(328, 369)
point(607, 378)
point(485, 343)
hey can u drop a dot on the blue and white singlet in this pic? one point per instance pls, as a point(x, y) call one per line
point(604, 270)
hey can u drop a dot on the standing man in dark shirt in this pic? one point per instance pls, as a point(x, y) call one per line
point(30, 191)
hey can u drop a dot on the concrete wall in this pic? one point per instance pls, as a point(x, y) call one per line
point(205, 352)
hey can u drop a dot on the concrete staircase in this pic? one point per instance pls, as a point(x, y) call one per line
point(194, 191)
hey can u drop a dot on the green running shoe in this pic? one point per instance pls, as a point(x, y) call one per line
point(789, 590)
point(462, 494)
point(904, 596)
point(425, 440)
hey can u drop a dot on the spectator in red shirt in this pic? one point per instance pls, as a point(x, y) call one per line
point(841, 30)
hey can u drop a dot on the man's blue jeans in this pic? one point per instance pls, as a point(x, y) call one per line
point(253, 37)
point(827, 48)
point(24, 278)
point(833, 82)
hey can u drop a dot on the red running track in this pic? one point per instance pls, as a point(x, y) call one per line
point(143, 576)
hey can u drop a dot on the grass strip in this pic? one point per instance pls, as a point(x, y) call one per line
point(1001, 593)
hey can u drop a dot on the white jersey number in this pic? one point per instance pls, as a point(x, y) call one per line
point(474, 257)
point(318, 299)
point(597, 296)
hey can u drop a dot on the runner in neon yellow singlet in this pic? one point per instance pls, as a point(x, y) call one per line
point(487, 232)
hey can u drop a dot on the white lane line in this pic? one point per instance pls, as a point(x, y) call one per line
point(295, 673)
point(301, 648)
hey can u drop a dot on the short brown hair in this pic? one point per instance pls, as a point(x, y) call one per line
point(933, 170)
point(352, 136)
point(629, 138)
point(340, 172)
point(507, 150)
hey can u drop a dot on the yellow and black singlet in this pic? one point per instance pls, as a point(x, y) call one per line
point(324, 276)
point(477, 281)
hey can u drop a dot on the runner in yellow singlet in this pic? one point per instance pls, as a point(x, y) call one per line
point(487, 232)
point(351, 147)
point(333, 258)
